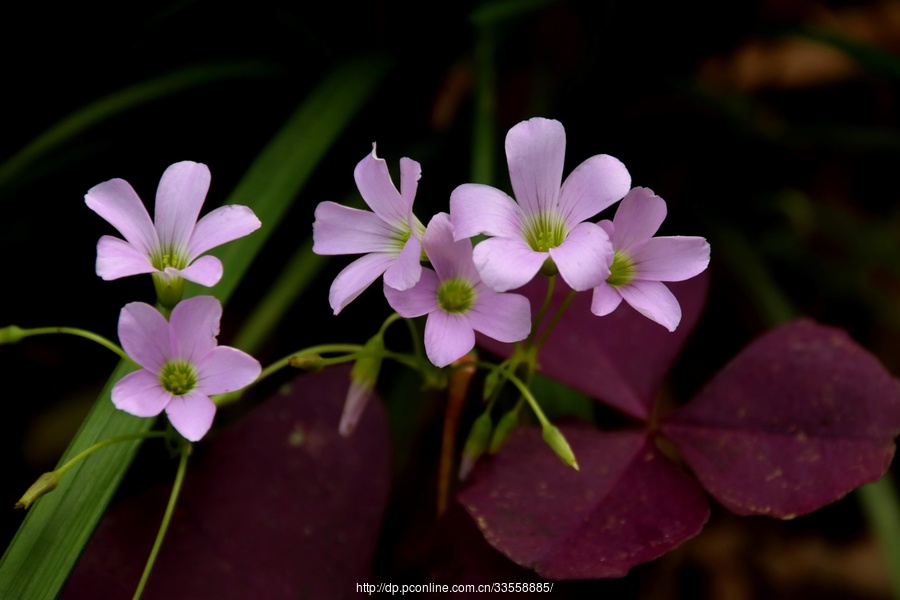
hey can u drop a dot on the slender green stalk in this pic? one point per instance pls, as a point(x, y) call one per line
point(88, 335)
point(116, 439)
point(554, 322)
point(167, 517)
point(542, 312)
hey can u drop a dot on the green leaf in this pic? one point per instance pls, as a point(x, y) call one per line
point(58, 526)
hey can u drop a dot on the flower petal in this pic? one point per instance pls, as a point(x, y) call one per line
point(223, 225)
point(535, 151)
point(605, 299)
point(179, 198)
point(653, 300)
point(447, 337)
point(476, 208)
point(407, 268)
point(194, 326)
point(226, 369)
point(206, 270)
point(374, 182)
point(503, 317)
point(140, 394)
point(117, 258)
point(583, 259)
point(144, 334)
point(355, 278)
point(638, 217)
point(671, 258)
point(410, 173)
point(357, 397)
point(449, 258)
point(595, 184)
point(117, 202)
point(416, 301)
point(343, 230)
point(506, 264)
point(191, 415)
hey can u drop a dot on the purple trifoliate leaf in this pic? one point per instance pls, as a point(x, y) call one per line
point(798, 419)
point(627, 505)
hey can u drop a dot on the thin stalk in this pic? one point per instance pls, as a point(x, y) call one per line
point(116, 439)
point(88, 335)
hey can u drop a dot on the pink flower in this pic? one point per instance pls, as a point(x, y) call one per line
point(182, 364)
point(545, 224)
point(642, 262)
point(171, 247)
point(389, 236)
point(456, 301)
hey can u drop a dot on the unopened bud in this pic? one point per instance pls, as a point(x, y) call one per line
point(560, 446)
point(45, 483)
point(476, 444)
point(307, 362)
point(504, 429)
point(363, 377)
point(11, 334)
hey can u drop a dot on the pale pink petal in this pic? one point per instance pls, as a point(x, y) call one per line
point(653, 300)
point(595, 184)
point(607, 226)
point(179, 198)
point(671, 258)
point(535, 152)
point(416, 301)
point(638, 217)
point(476, 208)
point(116, 201)
point(407, 268)
point(117, 258)
point(374, 182)
point(583, 259)
point(343, 230)
point(206, 270)
point(503, 317)
point(449, 259)
point(140, 394)
point(194, 326)
point(191, 415)
point(225, 369)
point(506, 264)
point(357, 397)
point(410, 173)
point(144, 334)
point(223, 225)
point(447, 337)
point(605, 299)
point(355, 278)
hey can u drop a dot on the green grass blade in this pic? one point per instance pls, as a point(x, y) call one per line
point(59, 525)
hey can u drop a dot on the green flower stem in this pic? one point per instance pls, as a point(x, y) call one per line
point(167, 517)
point(553, 322)
point(14, 334)
point(116, 439)
point(551, 284)
point(526, 393)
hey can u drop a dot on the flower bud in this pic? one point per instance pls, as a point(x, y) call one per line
point(505, 427)
point(45, 483)
point(362, 383)
point(560, 446)
point(476, 444)
point(307, 362)
point(11, 334)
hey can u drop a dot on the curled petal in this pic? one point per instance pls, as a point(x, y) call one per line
point(342, 230)
point(407, 269)
point(355, 278)
point(117, 202)
point(595, 184)
point(194, 324)
point(447, 337)
point(416, 301)
point(672, 258)
point(638, 217)
point(223, 225)
point(117, 258)
point(605, 299)
point(476, 208)
point(535, 151)
point(140, 394)
point(206, 270)
point(506, 264)
point(410, 173)
point(449, 258)
point(503, 317)
point(224, 369)
point(583, 259)
point(653, 300)
point(374, 182)
point(144, 334)
point(191, 415)
point(179, 198)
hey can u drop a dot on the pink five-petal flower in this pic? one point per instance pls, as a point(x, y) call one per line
point(389, 236)
point(546, 221)
point(171, 247)
point(182, 364)
point(642, 262)
point(456, 301)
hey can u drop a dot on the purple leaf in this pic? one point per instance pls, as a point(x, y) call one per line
point(621, 358)
point(277, 506)
point(627, 505)
point(799, 418)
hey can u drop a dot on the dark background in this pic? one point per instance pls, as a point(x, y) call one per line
point(779, 147)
